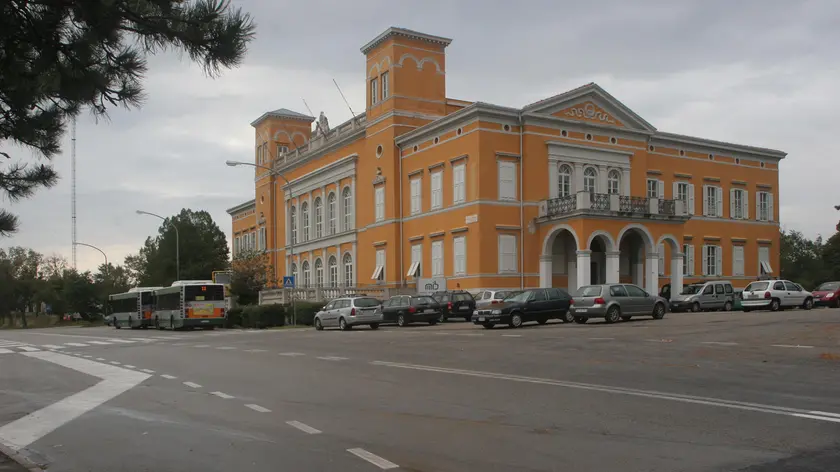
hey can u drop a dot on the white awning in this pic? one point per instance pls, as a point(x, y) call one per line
point(377, 273)
point(765, 267)
point(413, 270)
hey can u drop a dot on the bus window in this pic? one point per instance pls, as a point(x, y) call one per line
point(204, 293)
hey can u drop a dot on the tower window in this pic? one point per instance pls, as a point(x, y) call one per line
point(385, 88)
point(373, 91)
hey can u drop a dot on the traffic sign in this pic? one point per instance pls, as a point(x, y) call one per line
point(289, 281)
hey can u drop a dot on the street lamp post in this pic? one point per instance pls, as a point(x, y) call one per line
point(177, 242)
point(107, 269)
point(274, 173)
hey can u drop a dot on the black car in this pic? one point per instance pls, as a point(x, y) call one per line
point(531, 305)
point(406, 309)
point(455, 304)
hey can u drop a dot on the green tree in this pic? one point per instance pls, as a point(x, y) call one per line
point(831, 257)
point(80, 294)
point(57, 58)
point(802, 259)
point(203, 249)
point(250, 275)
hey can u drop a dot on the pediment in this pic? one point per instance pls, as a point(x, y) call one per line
point(591, 104)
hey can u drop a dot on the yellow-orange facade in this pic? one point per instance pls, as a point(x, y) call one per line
point(567, 191)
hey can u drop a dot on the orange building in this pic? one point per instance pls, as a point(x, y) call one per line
point(570, 190)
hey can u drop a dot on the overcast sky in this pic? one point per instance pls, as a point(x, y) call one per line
point(761, 72)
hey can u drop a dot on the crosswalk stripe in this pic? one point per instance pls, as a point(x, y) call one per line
point(101, 343)
point(53, 346)
point(123, 341)
point(6, 351)
point(77, 344)
point(28, 348)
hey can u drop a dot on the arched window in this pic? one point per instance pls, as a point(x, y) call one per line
point(319, 273)
point(293, 268)
point(348, 270)
point(565, 181)
point(306, 274)
point(590, 178)
point(333, 263)
point(304, 216)
point(331, 215)
point(347, 208)
point(293, 223)
point(319, 218)
point(614, 182)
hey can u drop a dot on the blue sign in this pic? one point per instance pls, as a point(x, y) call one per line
point(289, 281)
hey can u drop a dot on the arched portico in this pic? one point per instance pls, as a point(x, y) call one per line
point(560, 256)
point(639, 258)
point(677, 258)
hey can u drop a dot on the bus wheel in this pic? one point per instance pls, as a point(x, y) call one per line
point(172, 322)
point(117, 323)
point(157, 323)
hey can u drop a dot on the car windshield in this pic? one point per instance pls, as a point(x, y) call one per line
point(829, 286)
point(422, 301)
point(756, 286)
point(508, 295)
point(589, 291)
point(366, 302)
point(691, 289)
point(519, 297)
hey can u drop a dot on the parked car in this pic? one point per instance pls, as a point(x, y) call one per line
point(407, 309)
point(492, 297)
point(775, 295)
point(615, 302)
point(347, 312)
point(709, 295)
point(827, 294)
point(455, 304)
point(538, 305)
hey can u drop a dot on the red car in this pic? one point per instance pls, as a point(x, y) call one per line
point(827, 294)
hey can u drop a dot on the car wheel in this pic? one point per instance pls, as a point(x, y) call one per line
point(342, 324)
point(809, 303)
point(318, 325)
point(626, 317)
point(543, 321)
point(837, 303)
point(157, 323)
point(401, 321)
point(581, 319)
point(727, 306)
point(695, 308)
point(613, 314)
point(374, 326)
point(658, 311)
point(515, 320)
point(774, 305)
point(433, 322)
point(442, 318)
point(747, 310)
point(567, 317)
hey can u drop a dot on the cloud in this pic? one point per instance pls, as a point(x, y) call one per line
point(758, 72)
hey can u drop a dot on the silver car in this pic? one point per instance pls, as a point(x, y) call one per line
point(775, 295)
point(615, 302)
point(492, 297)
point(347, 312)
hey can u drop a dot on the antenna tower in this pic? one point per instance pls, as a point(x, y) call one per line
point(73, 186)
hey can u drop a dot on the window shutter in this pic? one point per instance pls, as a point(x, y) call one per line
point(661, 250)
point(745, 204)
point(691, 260)
point(705, 201)
point(732, 209)
point(507, 183)
point(719, 260)
point(660, 189)
point(770, 213)
point(704, 260)
point(675, 190)
point(719, 194)
point(690, 199)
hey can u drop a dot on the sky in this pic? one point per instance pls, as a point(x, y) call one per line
point(756, 72)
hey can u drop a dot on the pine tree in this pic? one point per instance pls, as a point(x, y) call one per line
point(58, 58)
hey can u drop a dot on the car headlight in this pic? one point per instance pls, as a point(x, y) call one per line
point(496, 312)
point(829, 295)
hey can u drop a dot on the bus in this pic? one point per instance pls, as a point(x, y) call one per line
point(189, 304)
point(132, 309)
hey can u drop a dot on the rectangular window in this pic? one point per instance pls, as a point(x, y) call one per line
point(712, 201)
point(764, 261)
point(385, 85)
point(379, 197)
point(262, 241)
point(507, 253)
point(281, 150)
point(415, 269)
point(507, 180)
point(416, 196)
point(379, 271)
point(437, 259)
point(688, 259)
point(459, 191)
point(652, 188)
point(737, 260)
point(712, 260)
point(373, 91)
point(437, 190)
point(738, 204)
point(460, 250)
point(764, 206)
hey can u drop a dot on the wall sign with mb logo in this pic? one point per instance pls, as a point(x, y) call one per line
point(431, 285)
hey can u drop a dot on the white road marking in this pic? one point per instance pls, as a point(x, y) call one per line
point(88, 357)
point(130, 366)
point(202, 345)
point(100, 358)
point(28, 348)
point(192, 384)
point(383, 464)
point(53, 346)
point(148, 371)
point(792, 346)
point(511, 335)
point(77, 344)
point(303, 427)
point(256, 350)
point(601, 339)
point(709, 401)
point(121, 341)
point(25, 431)
point(6, 351)
point(115, 363)
point(226, 348)
point(291, 354)
point(470, 334)
point(162, 338)
point(170, 377)
point(222, 395)
point(333, 358)
point(101, 343)
point(720, 343)
point(443, 334)
point(258, 408)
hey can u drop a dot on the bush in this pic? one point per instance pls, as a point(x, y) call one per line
point(306, 312)
point(263, 316)
point(234, 318)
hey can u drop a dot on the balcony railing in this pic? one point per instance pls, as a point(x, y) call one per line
point(602, 202)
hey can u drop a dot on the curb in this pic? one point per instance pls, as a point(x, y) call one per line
point(21, 459)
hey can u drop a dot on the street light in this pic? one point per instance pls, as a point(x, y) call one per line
point(273, 172)
point(177, 242)
point(107, 270)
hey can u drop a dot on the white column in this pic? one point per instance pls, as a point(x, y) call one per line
point(625, 182)
point(578, 179)
point(355, 201)
point(583, 276)
point(546, 270)
point(612, 269)
point(652, 271)
point(353, 282)
point(677, 273)
point(602, 179)
point(639, 268)
point(339, 259)
point(339, 208)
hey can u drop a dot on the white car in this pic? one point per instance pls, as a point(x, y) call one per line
point(775, 295)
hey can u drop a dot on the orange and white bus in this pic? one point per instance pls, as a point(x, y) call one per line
point(189, 304)
point(132, 309)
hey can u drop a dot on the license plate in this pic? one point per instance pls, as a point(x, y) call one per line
point(581, 310)
point(464, 308)
point(481, 318)
point(429, 310)
point(205, 321)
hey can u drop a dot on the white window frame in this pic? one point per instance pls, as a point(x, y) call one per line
point(379, 272)
point(347, 208)
point(437, 258)
point(319, 272)
point(304, 215)
point(687, 196)
point(565, 180)
point(688, 259)
point(739, 204)
point(307, 273)
point(652, 188)
point(318, 207)
point(590, 180)
point(459, 251)
point(459, 183)
point(293, 223)
point(332, 264)
point(507, 180)
point(738, 261)
point(713, 201)
point(416, 268)
point(508, 262)
point(614, 182)
point(712, 260)
point(764, 210)
point(347, 260)
point(764, 257)
point(437, 190)
point(416, 189)
point(379, 203)
point(385, 85)
point(332, 210)
point(374, 89)
point(261, 241)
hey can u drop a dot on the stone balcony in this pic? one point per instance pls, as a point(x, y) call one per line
point(586, 203)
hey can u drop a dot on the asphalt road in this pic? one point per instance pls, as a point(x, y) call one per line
point(755, 392)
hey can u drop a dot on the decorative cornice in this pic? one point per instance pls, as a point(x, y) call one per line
point(719, 145)
point(682, 176)
point(405, 33)
point(476, 110)
point(711, 179)
point(738, 182)
point(251, 204)
point(283, 113)
point(459, 230)
point(437, 234)
point(654, 172)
